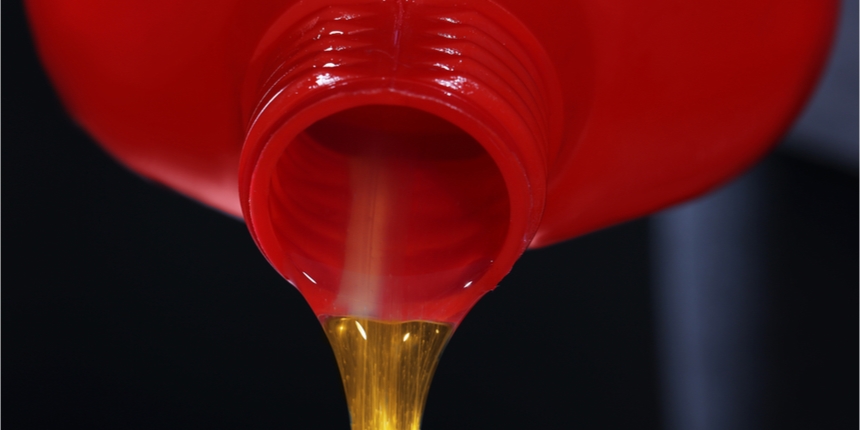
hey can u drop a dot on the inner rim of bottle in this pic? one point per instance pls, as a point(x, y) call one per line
point(388, 206)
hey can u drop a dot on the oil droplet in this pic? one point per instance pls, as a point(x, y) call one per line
point(386, 368)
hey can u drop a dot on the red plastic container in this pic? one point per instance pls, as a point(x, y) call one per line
point(393, 159)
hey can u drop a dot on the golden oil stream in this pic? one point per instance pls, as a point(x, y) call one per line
point(386, 368)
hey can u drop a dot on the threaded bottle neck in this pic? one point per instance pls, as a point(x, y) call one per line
point(477, 70)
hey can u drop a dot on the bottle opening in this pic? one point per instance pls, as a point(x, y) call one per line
point(383, 208)
point(382, 181)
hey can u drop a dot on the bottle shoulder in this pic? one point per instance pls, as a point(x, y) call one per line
point(659, 101)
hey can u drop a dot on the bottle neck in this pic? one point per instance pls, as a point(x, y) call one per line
point(476, 72)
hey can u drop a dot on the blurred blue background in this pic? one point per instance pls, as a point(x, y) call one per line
point(746, 280)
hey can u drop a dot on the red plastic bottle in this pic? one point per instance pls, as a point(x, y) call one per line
point(394, 158)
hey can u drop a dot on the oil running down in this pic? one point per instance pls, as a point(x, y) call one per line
point(386, 368)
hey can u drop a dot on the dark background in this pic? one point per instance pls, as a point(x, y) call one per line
point(128, 306)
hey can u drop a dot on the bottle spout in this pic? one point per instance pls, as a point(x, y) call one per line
point(400, 182)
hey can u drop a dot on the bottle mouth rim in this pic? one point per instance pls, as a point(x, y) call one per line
point(476, 66)
point(277, 126)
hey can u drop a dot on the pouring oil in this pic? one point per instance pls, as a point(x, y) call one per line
point(411, 211)
point(386, 368)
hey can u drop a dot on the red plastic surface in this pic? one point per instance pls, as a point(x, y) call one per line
point(394, 158)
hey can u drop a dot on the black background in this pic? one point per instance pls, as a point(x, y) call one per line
point(128, 306)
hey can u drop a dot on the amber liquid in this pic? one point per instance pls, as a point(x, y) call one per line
point(386, 368)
